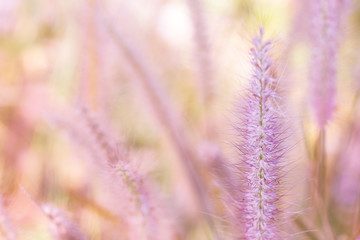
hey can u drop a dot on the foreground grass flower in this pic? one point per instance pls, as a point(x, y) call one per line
point(261, 134)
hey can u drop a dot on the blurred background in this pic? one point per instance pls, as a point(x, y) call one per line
point(160, 77)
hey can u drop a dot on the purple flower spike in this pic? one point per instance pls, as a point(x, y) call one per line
point(326, 19)
point(260, 149)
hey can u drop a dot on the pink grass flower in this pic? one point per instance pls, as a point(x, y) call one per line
point(346, 185)
point(7, 230)
point(327, 16)
point(260, 150)
point(60, 225)
point(131, 194)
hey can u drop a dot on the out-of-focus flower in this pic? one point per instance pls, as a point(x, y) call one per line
point(61, 226)
point(7, 230)
point(140, 208)
point(346, 186)
point(8, 15)
point(327, 19)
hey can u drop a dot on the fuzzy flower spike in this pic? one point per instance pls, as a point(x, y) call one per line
point(260, 149)
point(326, 18)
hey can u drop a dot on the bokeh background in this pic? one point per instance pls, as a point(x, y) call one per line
point(65, 61)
